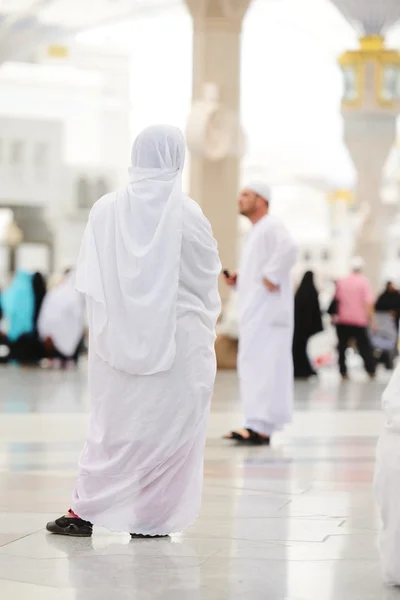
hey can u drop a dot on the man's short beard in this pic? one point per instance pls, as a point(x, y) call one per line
point(247, 213)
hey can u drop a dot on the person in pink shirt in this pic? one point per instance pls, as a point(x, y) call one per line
point(355, 310)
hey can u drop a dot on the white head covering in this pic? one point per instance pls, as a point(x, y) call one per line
point(261, 189)
point(62, 316)
point(357, 263)
point(130, 258)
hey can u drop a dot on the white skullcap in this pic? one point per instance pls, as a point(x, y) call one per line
point(261, 189)
point(357, 263)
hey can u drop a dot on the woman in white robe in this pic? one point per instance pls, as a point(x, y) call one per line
point(387, 481)
point(149, 269)
point(61, 320)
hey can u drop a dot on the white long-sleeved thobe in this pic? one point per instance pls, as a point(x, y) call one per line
point(265, 364)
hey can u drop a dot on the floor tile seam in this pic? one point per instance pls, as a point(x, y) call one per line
point(270, 541)
point(286, 518)
point(37, 585)
point(354, 531)
point(105, 555)
point(315, 517)
point(19, 538)
point(206, 559)
point(299, 560)
point(261, 492)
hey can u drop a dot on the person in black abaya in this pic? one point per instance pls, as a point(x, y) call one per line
point(39, 290)
point(4, 345)
point(385, 334)
point(389, 301)
point(307, 322)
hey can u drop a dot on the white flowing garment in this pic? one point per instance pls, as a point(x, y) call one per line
point(62, 317)
point(130, 259)
point(149, 268)
point(265, 363)
point(387, 481)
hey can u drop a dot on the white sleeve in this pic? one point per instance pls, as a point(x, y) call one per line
point(200, 266)
point(282, 253)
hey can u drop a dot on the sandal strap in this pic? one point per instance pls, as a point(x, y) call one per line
point(236, 436)
point(256, 437)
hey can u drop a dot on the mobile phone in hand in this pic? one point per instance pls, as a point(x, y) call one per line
point(226, 273)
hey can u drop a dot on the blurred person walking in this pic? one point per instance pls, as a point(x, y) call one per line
point(385, 335)
point(20, 304)
point(389, 301)
point(39, 291)
point(307, 323)
point(4, 345)
point(355, 311)
point(149, 269)
point(61, 321)
point(265, 304)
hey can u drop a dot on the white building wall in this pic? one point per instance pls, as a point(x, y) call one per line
point(65, 94)
point(78, 107)
point(31, 166)
point(115, 68)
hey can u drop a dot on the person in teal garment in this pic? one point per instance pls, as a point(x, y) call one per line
point(19, 307)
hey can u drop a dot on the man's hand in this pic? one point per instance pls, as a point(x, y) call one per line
point(231, 280)
point(271, 287)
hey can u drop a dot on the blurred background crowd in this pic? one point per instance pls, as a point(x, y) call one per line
point(304, 96)
point(42, 325)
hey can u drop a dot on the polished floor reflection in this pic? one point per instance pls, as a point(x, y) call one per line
point(293, 522)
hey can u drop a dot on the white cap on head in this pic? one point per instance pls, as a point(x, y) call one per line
point(261, 189)
point(357, 263)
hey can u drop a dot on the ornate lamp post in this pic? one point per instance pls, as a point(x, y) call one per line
point(370, 106)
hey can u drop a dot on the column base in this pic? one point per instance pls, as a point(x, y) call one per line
point(372, 253)
point(226, 350)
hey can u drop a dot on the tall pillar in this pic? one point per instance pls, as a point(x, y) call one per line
point(342, 232)
point(370, 107)
point(369, 141)
point(217, 28)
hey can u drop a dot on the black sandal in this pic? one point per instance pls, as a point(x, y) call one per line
point(70, 526)
point(254, 439)
point(234, 435)
point(141, 536)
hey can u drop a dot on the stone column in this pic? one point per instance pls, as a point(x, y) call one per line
point(369, 139)
point(217, 28)
point(341, 231)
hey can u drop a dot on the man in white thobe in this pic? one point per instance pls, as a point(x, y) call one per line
point(265, 305)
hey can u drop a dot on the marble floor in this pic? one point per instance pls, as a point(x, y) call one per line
point(296, 521)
